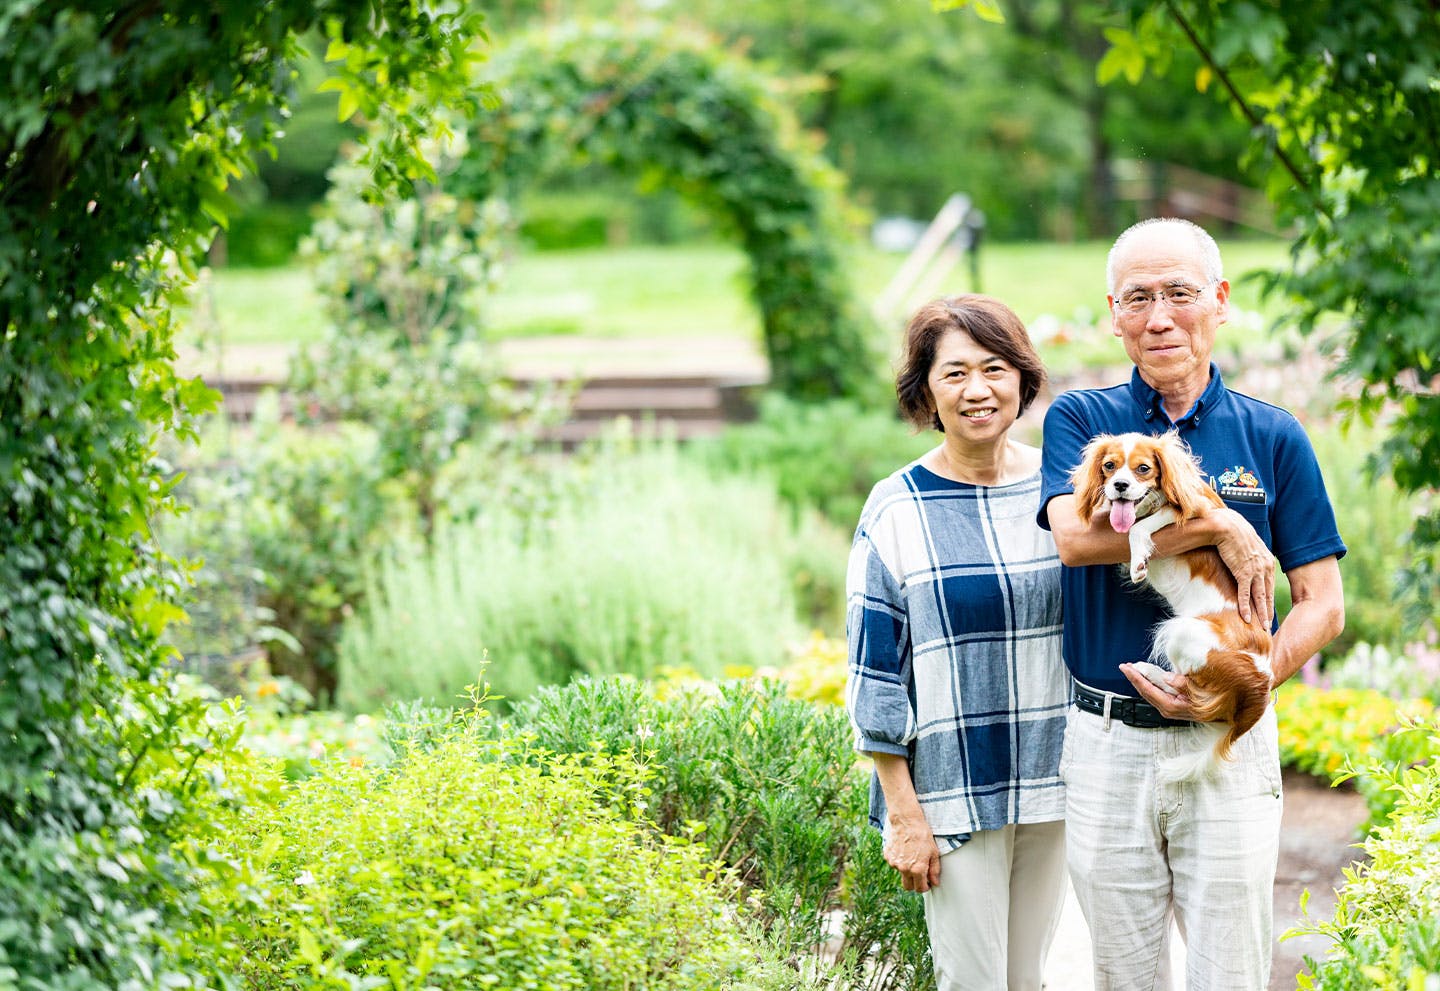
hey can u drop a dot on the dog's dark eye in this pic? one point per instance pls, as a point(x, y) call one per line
point(1108, 466)
point(1143, 470)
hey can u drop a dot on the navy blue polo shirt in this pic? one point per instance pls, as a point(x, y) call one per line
point(1257, 457)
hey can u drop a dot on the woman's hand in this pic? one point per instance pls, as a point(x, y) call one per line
point(911, 850)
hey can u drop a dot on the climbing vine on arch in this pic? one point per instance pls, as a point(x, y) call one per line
point(678, 110)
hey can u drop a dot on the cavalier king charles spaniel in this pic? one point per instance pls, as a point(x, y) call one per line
point(1149, 483)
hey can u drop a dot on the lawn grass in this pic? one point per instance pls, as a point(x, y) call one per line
point(256, 306)
point(699, 291)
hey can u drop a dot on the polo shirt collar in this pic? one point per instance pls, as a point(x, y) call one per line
point(1152, 404)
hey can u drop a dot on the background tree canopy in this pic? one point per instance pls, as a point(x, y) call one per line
point(910, 106)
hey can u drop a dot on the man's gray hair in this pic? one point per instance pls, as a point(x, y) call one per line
point(1209, 250)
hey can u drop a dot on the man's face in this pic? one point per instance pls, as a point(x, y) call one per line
point(1165, 310)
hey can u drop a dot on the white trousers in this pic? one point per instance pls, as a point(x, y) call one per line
point(993, 914)
point(1203, 851)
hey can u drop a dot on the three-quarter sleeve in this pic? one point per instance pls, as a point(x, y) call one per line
point(879, 682)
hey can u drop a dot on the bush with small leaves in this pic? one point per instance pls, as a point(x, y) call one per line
point(776, 790)
point(649, 561)
point(1386, 926)
point(466, 864)
point(824, 456)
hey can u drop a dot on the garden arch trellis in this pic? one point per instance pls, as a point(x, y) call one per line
point(681, 111)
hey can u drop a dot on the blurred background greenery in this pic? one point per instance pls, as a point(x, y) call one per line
point(909, 105)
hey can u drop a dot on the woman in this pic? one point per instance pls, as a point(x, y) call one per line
point(956, 686)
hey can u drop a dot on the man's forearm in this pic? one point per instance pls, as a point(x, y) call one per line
point(1317, 617)
point(1094, 541)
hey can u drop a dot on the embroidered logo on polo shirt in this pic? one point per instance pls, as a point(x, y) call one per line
point(1239, 484)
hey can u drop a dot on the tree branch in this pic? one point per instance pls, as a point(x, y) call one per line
point(1304, 182)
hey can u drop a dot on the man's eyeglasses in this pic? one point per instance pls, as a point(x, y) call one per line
point(1176, 297)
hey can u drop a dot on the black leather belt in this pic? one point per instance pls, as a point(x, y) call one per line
point(1130, 711)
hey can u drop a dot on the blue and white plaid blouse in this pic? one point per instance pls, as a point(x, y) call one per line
point(953, 622)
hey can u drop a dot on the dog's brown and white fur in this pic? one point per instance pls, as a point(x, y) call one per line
point(1149, 483)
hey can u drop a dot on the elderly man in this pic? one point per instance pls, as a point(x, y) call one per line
point(1141, 850)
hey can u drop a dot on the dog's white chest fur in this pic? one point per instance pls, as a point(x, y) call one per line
point(1171, 577)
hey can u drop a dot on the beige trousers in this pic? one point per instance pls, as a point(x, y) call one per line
point(994, 912)
point(1142, 851)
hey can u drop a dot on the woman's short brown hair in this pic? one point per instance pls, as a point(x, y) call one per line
point(990, 324)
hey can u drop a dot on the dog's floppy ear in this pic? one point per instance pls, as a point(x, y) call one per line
point(1089, 479)
point(1182, 482)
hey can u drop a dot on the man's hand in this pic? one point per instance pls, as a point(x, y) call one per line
point(1171, 706)
point(911, 850)
point(1250, 561)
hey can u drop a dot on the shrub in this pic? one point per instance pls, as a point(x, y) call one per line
point(652, 562)
point(825, 455)
point(469, 865)
point(405, 352)
point(781, 798)
point(583, 219)
point(1321, 731)
point(817, 669)
point(314, 508)
point(1386, 925)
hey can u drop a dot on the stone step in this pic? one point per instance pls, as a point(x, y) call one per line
point(575, 432)
point(684, 406)
point(676, 402)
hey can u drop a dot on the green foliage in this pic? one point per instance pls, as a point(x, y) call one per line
point(640, 561)
point(1375, 518)
point(773, 786)
point(700, 120)
point(1413, 673)
point(1386, 925)
point(283, 523)
point(119, 132)
point(405, 354)
point(576, 220)
point(466, 865)
point(266, 234)
point(824, 456)
point(1343, 95)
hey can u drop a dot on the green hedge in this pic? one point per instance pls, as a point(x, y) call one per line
point(821, 455)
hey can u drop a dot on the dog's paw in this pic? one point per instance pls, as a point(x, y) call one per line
point(1156, 675)
point(1139, 570)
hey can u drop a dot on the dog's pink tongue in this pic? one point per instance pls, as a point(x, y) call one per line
point(1122, 516)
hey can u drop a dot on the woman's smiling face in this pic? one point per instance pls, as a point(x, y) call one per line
point(975, 392)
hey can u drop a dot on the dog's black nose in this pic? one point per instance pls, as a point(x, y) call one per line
point(1121, 485)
